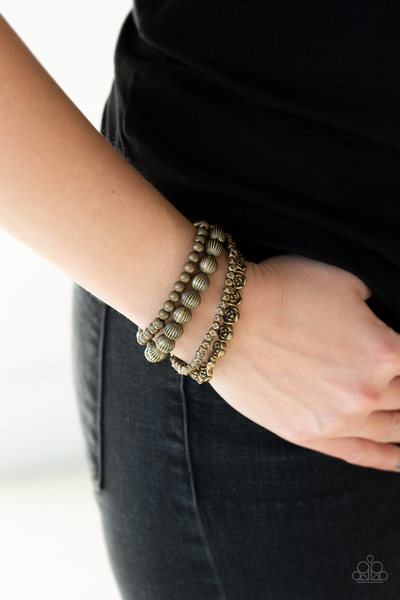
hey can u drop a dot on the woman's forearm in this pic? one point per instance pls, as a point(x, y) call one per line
point(71, 197)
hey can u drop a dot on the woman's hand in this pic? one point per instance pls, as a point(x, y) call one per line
point(312, 363)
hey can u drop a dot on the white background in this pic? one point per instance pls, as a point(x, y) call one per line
point(51, 543)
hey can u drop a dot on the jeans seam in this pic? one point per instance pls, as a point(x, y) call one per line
point(99, 401)
point(208, 546)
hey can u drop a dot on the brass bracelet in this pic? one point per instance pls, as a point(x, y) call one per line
point(226, 315)
point(158, 350)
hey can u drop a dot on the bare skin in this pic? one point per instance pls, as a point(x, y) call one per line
point(309, 360)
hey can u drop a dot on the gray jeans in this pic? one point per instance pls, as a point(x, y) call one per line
point(198, 502)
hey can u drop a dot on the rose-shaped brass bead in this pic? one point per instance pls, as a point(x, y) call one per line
point(231, 314)
point(235, 297)
point(200, 238)
point(218, 349)
point(169, 306)
point(240, 262)
point(182, 315)
point(163, 314)
point(194, 256)
point(159, 323)
point(208, 264)
point(225, 332)
point(165, 344)
point(217, 233)
point(202, 231)
point(173, 330)
point(204, 224)
point(174, 296)
point(200, 282)
point(191, 299)
point(190, 267)
point(179, 286)
point(185, 277)
point(239, 280)
point(198, 246)
point(153, 354)
point(214, 247)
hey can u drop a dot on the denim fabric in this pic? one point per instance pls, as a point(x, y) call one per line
point(198, 502)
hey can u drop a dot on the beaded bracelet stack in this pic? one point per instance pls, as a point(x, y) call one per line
point(210, 240)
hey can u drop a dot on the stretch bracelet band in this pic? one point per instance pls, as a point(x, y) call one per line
point(226, 315)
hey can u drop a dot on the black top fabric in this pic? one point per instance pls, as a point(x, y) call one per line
point(280, 120)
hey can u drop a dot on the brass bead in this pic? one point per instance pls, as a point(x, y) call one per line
point(173, 330)
point(152, 328)
point(235, 297)
point(174, 296)
point(231, 314)
point(190, 267)
point(194, 256)
point(179, 286)
point(191, 299)
point(158, 323)
point(165, 344)
point(202, 231)
point(239, 280)
point(198, 246)
point(182, 315)
point(147, 334)
point(163, 314)
point(204, 224)
point(184, 277)
point(139, 338)
point(200, 282)
point(214, 247)
point(200, 238)
point(153, 354)
point(225, 332)
point(208, 264)
point(169, 305)
point(218, 349)
point(217, 233)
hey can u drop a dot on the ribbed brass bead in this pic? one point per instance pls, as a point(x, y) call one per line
point(208, 264)
point(185, 277)
point(153, 354)
point(139, 337)
point(174, 296)
point(165, 344)
point(173, 330)
point(198, 246)
point(179, 286)
point(190, 267)
point(200, 282)
point(163, 314)
point(182, 315)
point(194, 256)
point(217, 233)
point(214, 247)
point(191, 299)
point(169, 306)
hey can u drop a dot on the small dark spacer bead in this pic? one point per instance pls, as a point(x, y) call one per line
point(179, 286)
point(190, 267)
point(185, 277)
point(163, 314)
point(194, 256)
point(174, 296)
point(169, 306)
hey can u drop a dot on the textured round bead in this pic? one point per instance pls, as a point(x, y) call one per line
point(198, 246)
point(147, 334)
point(163, 314)
point(194, 256)
point(217, 233)
point(200, 238)
point(169, 306)
point(174, 296)
point(152, 328)
point(208, 264)
point(205, 224)
point(200, 282)
point(214, 247)
point(165, 344)
point(179, 286)
point(153, 354)
point(191, 299)
point(185, 277)
point(159, 323)
point(173, 330)
point(202, 231)
point(190, 267)
point(182, 315)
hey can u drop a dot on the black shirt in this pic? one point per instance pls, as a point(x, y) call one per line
point(280, 120)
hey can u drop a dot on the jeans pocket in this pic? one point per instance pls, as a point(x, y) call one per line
point(88, 330)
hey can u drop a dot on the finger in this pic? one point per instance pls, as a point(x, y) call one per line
point(379, 426)
point(362, 452)
point(390, 399)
